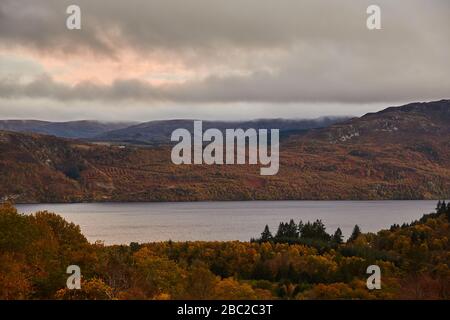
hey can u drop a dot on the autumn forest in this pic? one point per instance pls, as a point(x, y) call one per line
point(299, 261)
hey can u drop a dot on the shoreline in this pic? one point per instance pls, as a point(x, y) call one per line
point(220, 201)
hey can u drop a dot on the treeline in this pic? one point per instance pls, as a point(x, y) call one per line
point(35, 251)
point(309, 233)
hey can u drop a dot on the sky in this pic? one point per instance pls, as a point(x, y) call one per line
point(214, 59)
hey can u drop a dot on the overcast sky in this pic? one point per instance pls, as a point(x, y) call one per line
point(216, 59)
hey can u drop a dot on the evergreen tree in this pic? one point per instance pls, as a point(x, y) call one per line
point(287, 231)
point(448, 211)
point(355, 234)
point(281, 232)
point(315, 230)
point(441, 207)
point(337, 236)
point(300, 228)
point(292, 230)
point(266, 235)
point(438, 206)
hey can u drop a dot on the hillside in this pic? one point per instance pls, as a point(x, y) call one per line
point(152, 132)
point(159, 132)
point(398, 153)
point(399, 124)
point(71, 129)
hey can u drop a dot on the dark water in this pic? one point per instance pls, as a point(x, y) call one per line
point(122, 223)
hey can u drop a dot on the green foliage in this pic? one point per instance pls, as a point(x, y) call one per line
point(337, 236)
point(287, 231)
point(311, 234)
point(443, 209)
point(355, 233)
point(315, 230)
point(266, 235)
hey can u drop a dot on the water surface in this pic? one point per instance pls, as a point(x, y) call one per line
point(122, 223)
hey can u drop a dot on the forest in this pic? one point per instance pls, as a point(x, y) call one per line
point(299, 261)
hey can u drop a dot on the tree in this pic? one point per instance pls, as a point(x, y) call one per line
point(315, 230)
point(281, 232)
point(231, 289)
point(200, 282)
point(441, 207)
point(355, 234)
point(337, 236)
point(292, 230)
point(93, 289)
point(287, 232)
point(13, 278)
point(158, 275)
point(266, 235)
point(438, 206)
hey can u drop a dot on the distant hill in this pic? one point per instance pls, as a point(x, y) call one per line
point(159, 132)
point(398, 153)
point(398, 124)
point(84, 129)
point(153, 132)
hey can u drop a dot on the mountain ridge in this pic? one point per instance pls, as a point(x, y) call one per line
point(151, 132)
point(159, 132)
point(333, 163)
point(67, 129)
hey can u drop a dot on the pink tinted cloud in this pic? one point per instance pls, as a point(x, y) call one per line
point(156, 69)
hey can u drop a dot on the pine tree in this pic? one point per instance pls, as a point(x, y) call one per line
point(281, 232)
point(266, 235)
point(443, 208)
point(438, 206)
point(287, 231)
point(292, 230)
point(448, 211)
point(315, 230)
point(300, 228)
point(355, 234)
point(337, 236)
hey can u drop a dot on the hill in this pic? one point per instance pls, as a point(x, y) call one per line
point(159, 132)
point(399, 124)
point(153, 132)
point(398, 153)
point(72, 129)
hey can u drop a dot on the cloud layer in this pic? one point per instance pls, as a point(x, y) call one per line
point(221, 54)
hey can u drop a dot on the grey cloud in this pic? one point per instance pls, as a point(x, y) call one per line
point(201, 24)
point(328, 54)
point(289, 85)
